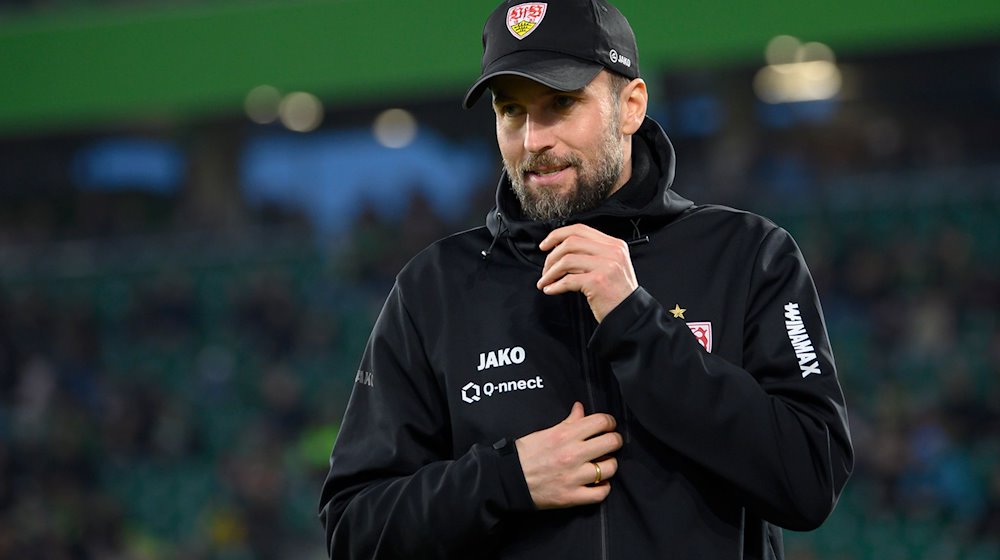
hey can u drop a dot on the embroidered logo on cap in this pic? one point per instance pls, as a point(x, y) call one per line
point(525, 18)
point(617, 58)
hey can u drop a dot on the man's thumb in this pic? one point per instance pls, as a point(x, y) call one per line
point(576, 412)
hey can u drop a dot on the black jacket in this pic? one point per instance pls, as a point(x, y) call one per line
point(728, 435)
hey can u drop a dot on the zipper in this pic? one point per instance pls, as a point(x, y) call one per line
point(585, 363)
point(582, 310)
point(626, 420)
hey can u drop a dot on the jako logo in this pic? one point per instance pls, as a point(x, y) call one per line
point(801, 343)
point(502, 357)
point(472, 392)
point(620, 59)
point(365, 378)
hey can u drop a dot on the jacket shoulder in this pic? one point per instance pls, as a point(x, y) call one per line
point(452, 254)
point(731, 220)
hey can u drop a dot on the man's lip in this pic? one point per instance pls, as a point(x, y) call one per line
point(535, 177)
point(553, 169)
point(541, 170)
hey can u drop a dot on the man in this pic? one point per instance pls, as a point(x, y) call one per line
point(605, 370)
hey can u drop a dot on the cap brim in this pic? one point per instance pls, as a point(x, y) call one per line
point(559, 72)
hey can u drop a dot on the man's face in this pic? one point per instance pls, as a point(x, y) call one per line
point(563, 151)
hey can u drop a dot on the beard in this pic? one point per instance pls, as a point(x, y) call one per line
point(594, 180)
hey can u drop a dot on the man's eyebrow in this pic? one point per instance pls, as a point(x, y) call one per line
point(500, 97)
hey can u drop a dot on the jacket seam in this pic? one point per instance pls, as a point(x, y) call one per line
point(753, 276)
point(420, 338)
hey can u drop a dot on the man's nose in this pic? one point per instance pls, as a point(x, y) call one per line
point(538, 135)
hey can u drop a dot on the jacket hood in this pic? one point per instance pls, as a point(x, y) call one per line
point(645, 203)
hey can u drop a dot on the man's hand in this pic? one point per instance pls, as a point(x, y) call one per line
point(585, 260)
point(558, 462)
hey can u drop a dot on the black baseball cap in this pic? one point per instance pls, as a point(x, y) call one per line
point(562, 44)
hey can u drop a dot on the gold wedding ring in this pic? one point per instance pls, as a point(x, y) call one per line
point(597, 478)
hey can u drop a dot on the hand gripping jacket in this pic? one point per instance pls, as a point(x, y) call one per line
point(718, 370)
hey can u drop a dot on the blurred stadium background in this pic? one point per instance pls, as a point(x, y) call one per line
point(204, 202)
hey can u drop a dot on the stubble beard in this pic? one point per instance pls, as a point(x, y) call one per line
point(593, 185)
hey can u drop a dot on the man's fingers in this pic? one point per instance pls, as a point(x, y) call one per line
point(570, 264)
point(593, 494)
point(578, 244)
point(588, 428)
point(610, 249)
point(598, 472)
point(599, 423)
point(584, 429)
point(584, 260)
point(554, 459)
point(575, 412)
point(609, 467)
point(593, 424)
point(557, 236)
point(602, 445)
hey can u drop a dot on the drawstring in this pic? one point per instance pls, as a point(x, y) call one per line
point(496, 236)
point(637, 237)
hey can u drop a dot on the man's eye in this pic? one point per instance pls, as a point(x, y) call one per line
point(564, 101)
point(510, 110)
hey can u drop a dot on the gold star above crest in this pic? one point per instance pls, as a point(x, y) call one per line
point(678, 311)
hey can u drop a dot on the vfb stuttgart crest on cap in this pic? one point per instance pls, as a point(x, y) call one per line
point(525, 18)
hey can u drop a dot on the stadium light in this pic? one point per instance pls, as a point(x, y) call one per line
point(797, 72)
point(395, 128)
point(301, 111)
point(262, 103)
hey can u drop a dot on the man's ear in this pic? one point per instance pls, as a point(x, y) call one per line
point(633, 99)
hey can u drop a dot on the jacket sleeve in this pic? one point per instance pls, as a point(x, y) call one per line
point(776, 428)
point(395, 488)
